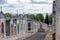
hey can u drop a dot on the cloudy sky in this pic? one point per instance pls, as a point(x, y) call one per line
point(26, 6)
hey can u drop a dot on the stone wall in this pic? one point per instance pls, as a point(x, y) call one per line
point(57, 19)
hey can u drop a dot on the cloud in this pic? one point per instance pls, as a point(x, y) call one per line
point(26, 6)
point(2, 1)
point(28, 1)
point(31, 8)
point(38, 8)
point(25, 1)
point(11, 1)
point(50, 1)
point(18, 1)
point(39, 0)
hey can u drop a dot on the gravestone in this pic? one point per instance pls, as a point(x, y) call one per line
point(41, 29)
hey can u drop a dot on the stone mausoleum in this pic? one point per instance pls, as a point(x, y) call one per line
point(16, 25)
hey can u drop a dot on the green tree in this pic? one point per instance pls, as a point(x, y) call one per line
point(32, 16)
point(39, 17)
point(47, 19)
point(26, 14)
point(50, 18)
point(7, 14)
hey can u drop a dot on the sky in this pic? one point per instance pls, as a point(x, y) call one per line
point(26, 6)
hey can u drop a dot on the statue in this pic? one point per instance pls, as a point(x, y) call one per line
point(41, 29)
point(41, 26)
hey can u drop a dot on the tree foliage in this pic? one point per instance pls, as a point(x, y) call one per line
point(26, 14)
point(40, 17)
point(36, 17)
point(32, 16)
point(50, 18)
point(7, 14)
point(47, 19)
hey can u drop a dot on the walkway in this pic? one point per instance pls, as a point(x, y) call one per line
point(37, 36)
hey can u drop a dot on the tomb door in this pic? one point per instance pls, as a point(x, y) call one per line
point(7, 27)
point(29, 26)
point(18, 28)
point(2, 29)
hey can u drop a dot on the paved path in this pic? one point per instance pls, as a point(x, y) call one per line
point(37, 36)
point(49, 34)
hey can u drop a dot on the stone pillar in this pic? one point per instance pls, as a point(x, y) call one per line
point(17, 27)
point(26, 27)
point(11, 27)
point(57, 19)
point(32, 26)
point(4, 29)
point(0, 29)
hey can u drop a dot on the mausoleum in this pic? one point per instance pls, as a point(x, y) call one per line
point(17, 25)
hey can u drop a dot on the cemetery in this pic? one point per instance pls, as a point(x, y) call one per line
point(17, 25)
point(20, 25)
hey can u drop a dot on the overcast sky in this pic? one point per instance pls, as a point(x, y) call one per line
point(27, 6)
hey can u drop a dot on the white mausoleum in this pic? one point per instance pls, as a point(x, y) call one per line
point(17, 25)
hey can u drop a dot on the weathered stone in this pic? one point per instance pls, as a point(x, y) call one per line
point(41, 29)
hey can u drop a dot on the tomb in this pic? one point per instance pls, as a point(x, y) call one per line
point(16, 25)
point(2, 24)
